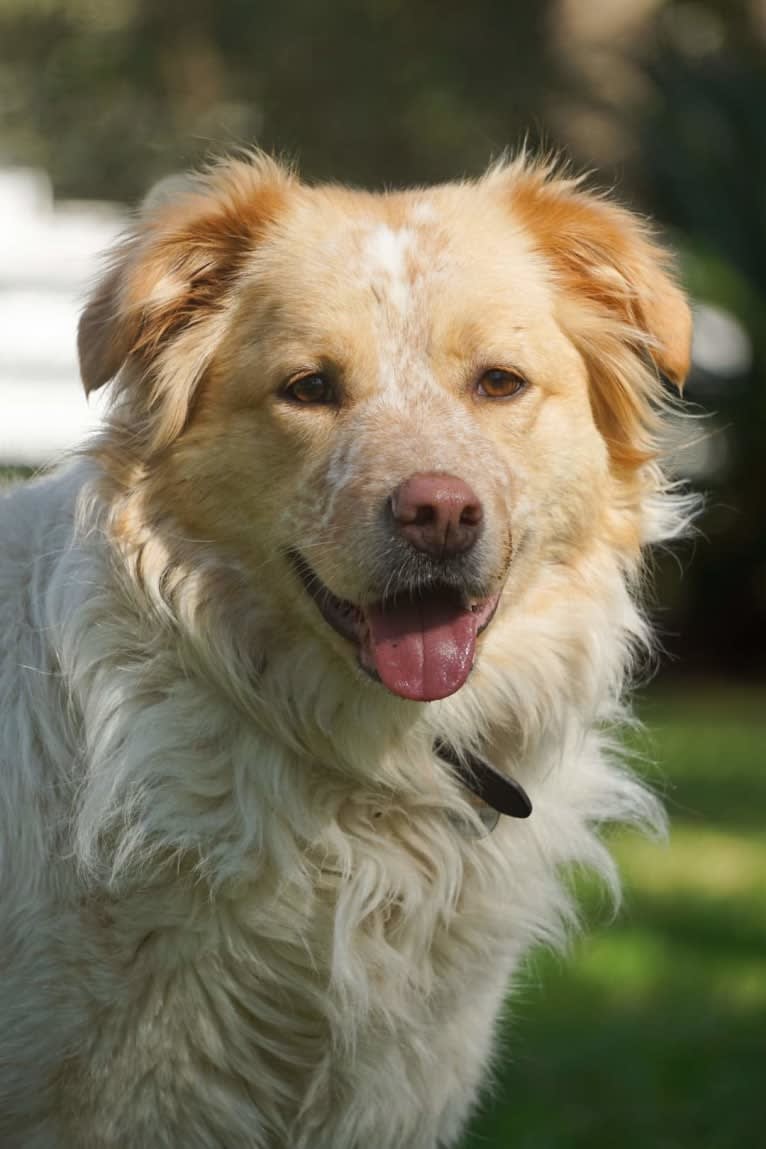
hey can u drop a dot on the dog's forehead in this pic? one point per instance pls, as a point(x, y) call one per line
point(396, 260)
point(387, 254)
point(392, 243)
point(441, 271)
point(418, 248)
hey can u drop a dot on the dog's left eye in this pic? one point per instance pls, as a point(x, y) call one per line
point(310, 389)
point(499, 384)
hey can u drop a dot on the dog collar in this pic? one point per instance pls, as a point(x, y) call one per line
point(498, 793)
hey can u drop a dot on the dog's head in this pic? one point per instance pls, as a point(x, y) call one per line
point(393, 411)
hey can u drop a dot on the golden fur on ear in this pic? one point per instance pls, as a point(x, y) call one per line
point(169, 284)
point(605, 258)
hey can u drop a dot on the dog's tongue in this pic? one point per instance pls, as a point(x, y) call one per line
point(422, 650)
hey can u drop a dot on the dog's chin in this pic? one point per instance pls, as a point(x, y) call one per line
point(420, 644)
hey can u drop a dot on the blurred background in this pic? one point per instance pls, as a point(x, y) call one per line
point(653, 1033)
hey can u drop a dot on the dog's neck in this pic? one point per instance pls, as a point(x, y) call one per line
point(499, 792)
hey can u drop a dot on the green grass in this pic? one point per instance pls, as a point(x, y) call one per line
point(12, 474)
point(652, 1035)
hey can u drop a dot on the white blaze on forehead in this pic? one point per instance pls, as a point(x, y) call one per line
point(393, 265)
point(386, 255)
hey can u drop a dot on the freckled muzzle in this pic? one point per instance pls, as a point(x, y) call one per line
point(419, 638)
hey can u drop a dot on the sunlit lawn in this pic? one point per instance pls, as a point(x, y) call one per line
point(653, 1034)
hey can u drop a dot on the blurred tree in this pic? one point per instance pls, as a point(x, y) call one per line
point(110, 95)
point(703, 171)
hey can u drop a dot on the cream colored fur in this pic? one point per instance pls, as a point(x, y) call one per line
point(241, 905)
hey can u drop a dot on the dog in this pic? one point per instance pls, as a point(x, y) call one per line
point(313, 657)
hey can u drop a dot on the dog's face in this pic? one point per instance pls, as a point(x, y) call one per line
point(394, 411)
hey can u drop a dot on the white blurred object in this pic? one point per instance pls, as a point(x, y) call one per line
point(41, 420)
point(699, 448)
point(721, 346)
point(49, 255)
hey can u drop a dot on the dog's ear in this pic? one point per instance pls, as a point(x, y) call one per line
point(618, 292)
point(153, 319)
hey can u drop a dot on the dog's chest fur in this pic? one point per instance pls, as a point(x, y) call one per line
point(262, 1009)
point(284, 952)
point(332, 972)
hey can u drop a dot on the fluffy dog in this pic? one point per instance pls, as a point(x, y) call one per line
point(352, 569)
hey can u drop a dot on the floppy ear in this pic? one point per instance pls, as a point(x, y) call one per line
point(154, 319)
point(618, 300)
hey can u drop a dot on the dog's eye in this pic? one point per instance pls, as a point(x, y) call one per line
point(499, 384)
point(310, 389)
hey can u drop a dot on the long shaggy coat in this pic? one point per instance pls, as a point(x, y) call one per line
point(244, 901)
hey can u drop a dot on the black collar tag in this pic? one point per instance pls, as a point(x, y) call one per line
point(502, 793)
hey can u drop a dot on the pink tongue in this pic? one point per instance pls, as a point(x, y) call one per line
point(421, 650)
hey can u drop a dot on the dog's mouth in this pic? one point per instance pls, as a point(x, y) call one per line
point(420, 645)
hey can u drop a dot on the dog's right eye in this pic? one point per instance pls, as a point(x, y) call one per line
point(310, 389)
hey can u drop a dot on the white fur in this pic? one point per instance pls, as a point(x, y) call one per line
point(233, 919)
point(386, 250)
point(243, 903)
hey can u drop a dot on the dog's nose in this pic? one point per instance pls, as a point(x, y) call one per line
point(437, 513)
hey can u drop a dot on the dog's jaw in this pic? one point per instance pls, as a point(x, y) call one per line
point(419, 645)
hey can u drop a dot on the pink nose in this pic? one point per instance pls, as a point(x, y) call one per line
point(438, 514)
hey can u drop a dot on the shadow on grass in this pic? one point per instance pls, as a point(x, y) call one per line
point(597, 1078)
point(740, 804)
point(703, 929)
point(711, 755)
point(668, 1055)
